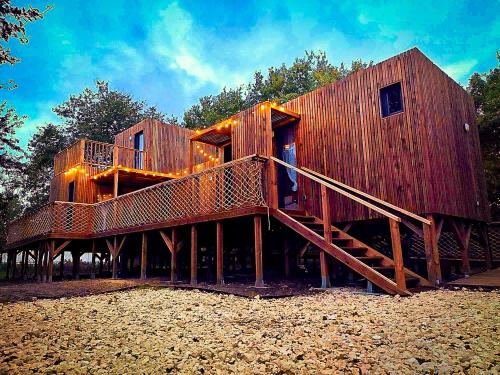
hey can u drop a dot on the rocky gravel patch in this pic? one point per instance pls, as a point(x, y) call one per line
point(179, 331)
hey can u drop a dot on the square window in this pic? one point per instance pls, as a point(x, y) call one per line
point(391, 100)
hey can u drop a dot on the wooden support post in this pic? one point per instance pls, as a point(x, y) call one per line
point(92, 270)
point(432, 251)
point(40, 262)
point(194, 255)
point(220, 253)
point(144, 255)
point(101, 263)
point(75, 254)
point(259, 272)
point(397, 254)
point(485, 243)
point(190, 157)
point(173, 257)
point(50, 254)
point(9, 260)
point(112, 250)
point(23, 264)
point(45, 263)
point(115, 184)
point(462, 232)
point(61, 265)
point(327, 229)
point(35, 253)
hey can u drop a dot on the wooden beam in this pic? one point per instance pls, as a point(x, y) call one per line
point(432, 251)
point(485, 244)
point(61, 247)
point(173, 257)
point(115, 183)
point(120, 246)
point(167, 241)
point(415, 229)
point(76, 263)
point(327, 231)
point(61, 265)
point(50, 254)
point(220, 252)
point(462, 232)
point(304, 248)
point(259, 274)
point(348, 227)
point(144, 255)
point(194, 255)
point(92, 269)
point(115, 257)
point(397, 254)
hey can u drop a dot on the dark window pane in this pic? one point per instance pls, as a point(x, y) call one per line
point(391, 99)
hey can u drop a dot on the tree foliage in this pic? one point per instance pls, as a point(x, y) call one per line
point(281, 84)
point(13, 20)
point(485, 89)
point(102, 113)
point(39, 168)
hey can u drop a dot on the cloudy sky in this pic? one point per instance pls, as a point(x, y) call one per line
point(171, 53)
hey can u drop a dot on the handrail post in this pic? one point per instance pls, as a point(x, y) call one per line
point(397, 254)
point(327, 230)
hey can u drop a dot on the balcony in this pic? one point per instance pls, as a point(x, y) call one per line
point(225, 190)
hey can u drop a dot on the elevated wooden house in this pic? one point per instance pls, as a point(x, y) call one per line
point(302, 188)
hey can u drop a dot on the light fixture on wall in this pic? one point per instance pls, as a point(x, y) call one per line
point(467, 127)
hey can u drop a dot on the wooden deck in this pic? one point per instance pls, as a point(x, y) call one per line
point(486, 279)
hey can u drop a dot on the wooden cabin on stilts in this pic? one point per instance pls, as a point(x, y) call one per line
point(355, 182)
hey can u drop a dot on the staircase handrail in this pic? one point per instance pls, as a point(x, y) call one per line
point(338, 190)
point(366, 195)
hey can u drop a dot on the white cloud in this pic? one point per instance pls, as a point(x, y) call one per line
point(460, 69)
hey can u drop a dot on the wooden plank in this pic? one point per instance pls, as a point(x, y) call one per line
point(173, 257)
point(327, 225)
point(220, 252)
point(397, 254)
point(50, 254)
point(112, 251)
point(432, 252)
point(92, 269)
point(167, 241)
point(144, 255)
point(259, 273)
point(194, 255)
point(356, 265)
point(61, 247)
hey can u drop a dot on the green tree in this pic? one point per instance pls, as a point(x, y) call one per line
point(101, 114)
point(281, 84)
point(39, 168)
point(485, 89)
point(13, 20)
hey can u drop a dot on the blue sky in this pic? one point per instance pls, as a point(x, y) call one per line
point(172, 53)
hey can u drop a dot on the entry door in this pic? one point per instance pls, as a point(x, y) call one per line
point(286, 150)
point(139, 146)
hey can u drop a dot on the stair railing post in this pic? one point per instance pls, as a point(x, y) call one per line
point(327, 230)
point(397, 254)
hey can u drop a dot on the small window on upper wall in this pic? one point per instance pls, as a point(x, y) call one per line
point(391, 99)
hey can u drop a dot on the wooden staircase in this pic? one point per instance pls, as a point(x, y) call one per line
point(388, 274)
point(360, 251)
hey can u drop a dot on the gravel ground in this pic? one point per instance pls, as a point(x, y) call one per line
point(179, 331)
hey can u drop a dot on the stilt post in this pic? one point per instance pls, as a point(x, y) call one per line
point(173, 257)
point(92, 270)
point(259, 274)
point(144, 255)
point(220, 253)
point(327, 229)
point(432, 251)
point(50, 254)
point(194, 255)
point(397, 254)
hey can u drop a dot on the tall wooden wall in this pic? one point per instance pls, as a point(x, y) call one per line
point(166, 146)
point(421, 159)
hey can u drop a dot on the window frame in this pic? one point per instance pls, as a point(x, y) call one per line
point(401, 95)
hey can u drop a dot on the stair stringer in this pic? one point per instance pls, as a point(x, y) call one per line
point(370, 251)
point(341, 255)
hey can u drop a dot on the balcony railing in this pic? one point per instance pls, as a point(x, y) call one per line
point(227, 187)
point(98, 156)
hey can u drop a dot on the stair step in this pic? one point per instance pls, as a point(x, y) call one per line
point(383, 268)
point(320, 231)
point(341, 240)
point(354, 249)
point(303, 218)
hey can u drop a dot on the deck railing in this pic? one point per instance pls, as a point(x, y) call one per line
point(227, 187)
point(98, 156)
